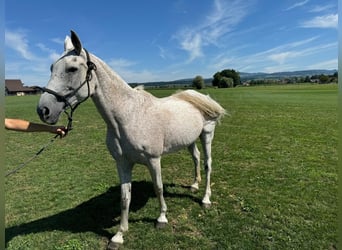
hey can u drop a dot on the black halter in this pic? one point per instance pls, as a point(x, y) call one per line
point(64, 98)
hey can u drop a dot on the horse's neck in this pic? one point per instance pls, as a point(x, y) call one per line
point(113, 97)
point(108, 81)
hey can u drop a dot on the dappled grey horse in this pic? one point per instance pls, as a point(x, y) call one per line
point(140, 127)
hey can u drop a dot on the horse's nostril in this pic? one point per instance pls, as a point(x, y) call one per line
point(46, 111)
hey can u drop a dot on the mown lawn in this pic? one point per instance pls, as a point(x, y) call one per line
point(274, 179)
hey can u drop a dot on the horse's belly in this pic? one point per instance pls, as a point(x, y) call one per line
point(182, 134)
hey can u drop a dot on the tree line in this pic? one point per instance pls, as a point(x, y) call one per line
point(229, 78)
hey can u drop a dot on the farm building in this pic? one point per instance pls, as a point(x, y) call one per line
point(16, 87)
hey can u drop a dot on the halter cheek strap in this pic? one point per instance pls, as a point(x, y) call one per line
point(64, 98)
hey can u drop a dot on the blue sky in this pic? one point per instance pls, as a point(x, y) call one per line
point(173, 39)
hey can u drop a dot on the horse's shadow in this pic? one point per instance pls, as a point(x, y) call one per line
point(95, 215)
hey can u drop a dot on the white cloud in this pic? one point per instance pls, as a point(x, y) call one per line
point(327, 21)
point(221, 61)
point(120, 63)
point(282, 52)
point(329, 64)
point(282, 56)
point(52, 53)
point(33, 66)
point(18, 42)
point(300, 42)
point(124, 68)
point(296, 5)
point(58, 41)
point(162, 52)
point(222, 19)
point(286, 57)
point(138, 76)
point(192, 42)
point(320, 8)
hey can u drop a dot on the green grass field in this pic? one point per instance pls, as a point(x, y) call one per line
point(274, 180)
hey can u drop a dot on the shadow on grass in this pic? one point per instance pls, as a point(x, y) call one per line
point(95, 215)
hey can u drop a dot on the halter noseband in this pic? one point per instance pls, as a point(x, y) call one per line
point(64, 98)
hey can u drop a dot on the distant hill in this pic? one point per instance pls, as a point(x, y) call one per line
point(243, 75)
point(285, 74)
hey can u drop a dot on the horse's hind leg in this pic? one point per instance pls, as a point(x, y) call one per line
point(195, 153)
point(206, 139)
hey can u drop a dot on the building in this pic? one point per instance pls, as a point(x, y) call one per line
point(16, 87)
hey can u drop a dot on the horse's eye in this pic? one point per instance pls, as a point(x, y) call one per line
point(71, 70)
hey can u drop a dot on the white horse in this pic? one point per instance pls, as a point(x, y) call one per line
point(140, 127)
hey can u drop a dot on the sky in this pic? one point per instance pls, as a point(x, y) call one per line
point(163, 40)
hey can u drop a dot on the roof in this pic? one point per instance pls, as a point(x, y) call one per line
point(15, 85)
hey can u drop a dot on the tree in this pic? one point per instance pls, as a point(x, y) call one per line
point(226, 82)
point(230, 73)
point(307, 79)
point(198, 82)
point(323, 78)
point(216, 79)
point(227, 73)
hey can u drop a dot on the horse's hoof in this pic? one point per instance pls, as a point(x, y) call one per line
point(160, 225)
point(113, 246)
point(194, 187)
point(206, 205)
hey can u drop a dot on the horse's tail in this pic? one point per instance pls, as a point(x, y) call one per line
point(204, 103)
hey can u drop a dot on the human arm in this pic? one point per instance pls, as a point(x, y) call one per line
point(26, 126)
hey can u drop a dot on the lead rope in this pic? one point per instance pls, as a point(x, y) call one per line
point(68, 128)
point(33, 157)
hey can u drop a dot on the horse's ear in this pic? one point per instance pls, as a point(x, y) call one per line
point(68, 44)
point(76, 42)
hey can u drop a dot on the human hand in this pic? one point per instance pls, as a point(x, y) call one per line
point(61, 131)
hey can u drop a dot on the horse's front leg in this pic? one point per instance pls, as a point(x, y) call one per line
point(125, 174)
point(155, 171)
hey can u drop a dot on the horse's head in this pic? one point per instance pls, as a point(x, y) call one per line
point(69, 81)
